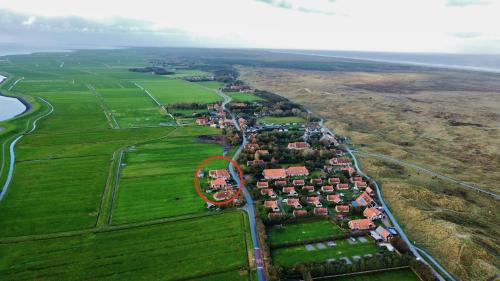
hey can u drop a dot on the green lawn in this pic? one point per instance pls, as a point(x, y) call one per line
point(243, 97)
point(301, 231)
point(281, 120)
point(211, 246)
point(393, 275)
point(169, 91)
point(292, 255)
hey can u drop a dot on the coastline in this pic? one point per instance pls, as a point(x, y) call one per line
point(400, 62)
point(27, 105)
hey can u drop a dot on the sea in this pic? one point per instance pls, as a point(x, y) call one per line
point(476, 62)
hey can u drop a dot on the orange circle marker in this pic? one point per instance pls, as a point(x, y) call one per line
point(240, 186)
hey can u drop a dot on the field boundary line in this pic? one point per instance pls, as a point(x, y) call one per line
point(109, 228)
point(107, 112)
point(115, 182)
point(105, 195)
point(162, 107)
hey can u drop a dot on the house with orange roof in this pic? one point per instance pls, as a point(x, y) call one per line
point(251, 147)
point(268, 192)
point(297, 171)
point(224, 174)
point(342, 186)
point(280, 183)
point(274, 173)
point(372, 213)
point(299, 213)
point(317, 181)
point(342, 208)
point(308, 188)
point(361, 224)
point(262, 184)
point(298, 182)
point(293, 202)
point(321, 211)
point(364, 200)
point(314, 200)
point(360, 184)
point(335, 198)
point(272, 205)
point(384, 233)
point(223, 195)
point(334, 180)
point(290, 191)
point(218, 183)
point(327, 188)
point(298, 145)
point(355, 179)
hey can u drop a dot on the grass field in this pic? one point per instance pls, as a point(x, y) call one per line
point(292, 255)
point(393, 275)
point(301, 231)
point(65, 175)
point(169, 91)
point(206, 248)
point(243, 97)
point(210, 84)
point(280, 120)
point(157, 180)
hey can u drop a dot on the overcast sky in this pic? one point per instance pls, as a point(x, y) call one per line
point(453, 26)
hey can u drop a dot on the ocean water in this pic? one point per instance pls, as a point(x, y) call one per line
point(478, 62)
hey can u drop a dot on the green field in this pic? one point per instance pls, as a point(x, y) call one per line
point(292, 255)
point(179, 73)
point(107, 155)
point(210, 84)
point(393, 275)
point(281, 120)
point(243, 97)
point(301, 231)
point(157, 179)
point(168, 251)
point(169, 91)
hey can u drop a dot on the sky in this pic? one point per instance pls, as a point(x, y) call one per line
point(449, 26)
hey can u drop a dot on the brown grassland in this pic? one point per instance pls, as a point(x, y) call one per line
point(443, 120)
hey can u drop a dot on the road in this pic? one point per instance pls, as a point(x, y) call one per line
point(428, 171)
point(248, 197)
point(13, 154)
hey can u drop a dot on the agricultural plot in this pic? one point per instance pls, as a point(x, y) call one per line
point(169, 91)
point(157, 179)
point(203, 248)
point(312, 253)
point(281, 120)
point(303, 231)
point(244, 97)
point(133, 108)
point(214, 85)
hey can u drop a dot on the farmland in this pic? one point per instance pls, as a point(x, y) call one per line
point(243, 97)
point(169, 91)
point(280, 120)
point(302, 231)
point(158, 251)
point(103, 187)
point(296, 254)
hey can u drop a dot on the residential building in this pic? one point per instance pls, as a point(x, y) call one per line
point(342, 208)
point(272, 205)
point(297, 171)
point(290, 191)
point(372, 213)
point(335, 198)
point(321, 211)
point(298, 145)
point(315, 201)
point(275, 173)
point(219, 174)
point(361, 224)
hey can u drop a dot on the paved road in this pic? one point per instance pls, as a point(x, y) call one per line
point(428, 171)
point(248, 197)
point(13, 154)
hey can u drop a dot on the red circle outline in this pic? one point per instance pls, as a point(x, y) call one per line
point(240, 186)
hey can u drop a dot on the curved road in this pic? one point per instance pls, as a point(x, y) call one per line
point(428, 171)
point(249, 206)
point(12, 152)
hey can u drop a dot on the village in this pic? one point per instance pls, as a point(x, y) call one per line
point(299, 172)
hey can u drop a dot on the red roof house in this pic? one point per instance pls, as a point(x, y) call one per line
point(321, 211)
point(342, 208)
point(272, 204)
point(372, 213)
point(293, 202)
point(314, 200)
point(274, 173)
point(298, 145)
point(297, 171)
point(334, 198)
point(327, 188)
point(262, 184)
point(219, 174)
point(361, 224)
